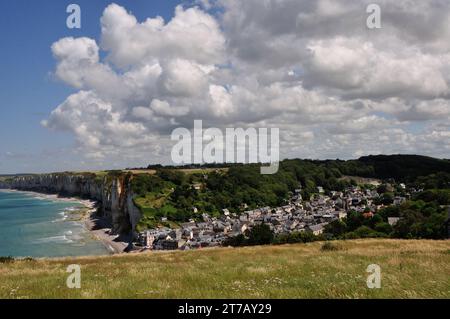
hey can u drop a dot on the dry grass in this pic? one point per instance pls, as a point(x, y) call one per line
point(362, 180)
point(187, 171)
point(141, 171)
point(204, 170)
point(410, 269)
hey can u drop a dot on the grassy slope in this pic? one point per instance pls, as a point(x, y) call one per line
point(410, 269)
point(187, 171)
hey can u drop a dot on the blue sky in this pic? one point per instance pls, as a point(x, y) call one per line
point(28, 90)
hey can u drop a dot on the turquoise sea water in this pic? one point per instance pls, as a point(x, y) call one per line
point(38, 226)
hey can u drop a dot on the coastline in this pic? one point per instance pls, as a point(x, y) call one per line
point(96, 226)
point(98, 229)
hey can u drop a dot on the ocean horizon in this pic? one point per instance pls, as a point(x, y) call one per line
point(33, 225)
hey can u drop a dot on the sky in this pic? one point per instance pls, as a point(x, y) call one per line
point(108, 95)
point(28, 89)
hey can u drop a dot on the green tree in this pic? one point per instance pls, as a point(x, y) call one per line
point(260, 235)
point(337, 228)
point(383, 227)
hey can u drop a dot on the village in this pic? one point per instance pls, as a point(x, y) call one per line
point(297, 215)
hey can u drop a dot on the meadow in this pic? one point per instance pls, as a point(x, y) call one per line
point(409, 269)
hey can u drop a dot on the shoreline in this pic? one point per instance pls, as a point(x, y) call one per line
point(91, 221)
point(96, 227)
point(85, 202)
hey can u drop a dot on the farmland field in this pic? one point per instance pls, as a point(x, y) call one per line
point(409, 269)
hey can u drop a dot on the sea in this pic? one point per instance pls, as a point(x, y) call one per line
point(34, 225)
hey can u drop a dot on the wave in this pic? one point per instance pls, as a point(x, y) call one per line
point(65, 213)
point(54, 239)
point(59, 220)
point(72, 209)
point(35, 224)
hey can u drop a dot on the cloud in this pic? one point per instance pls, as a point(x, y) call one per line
point(311, 68)
point(358, 69)
point(191, 34)
point(165, 109)
point(183, 78)
point(79, 66)
point(416, 110)
point(95, 124)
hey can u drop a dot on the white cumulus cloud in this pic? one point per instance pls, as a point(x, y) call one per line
point(311, 68)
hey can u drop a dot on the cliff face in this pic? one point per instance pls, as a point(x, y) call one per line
point(114, 193)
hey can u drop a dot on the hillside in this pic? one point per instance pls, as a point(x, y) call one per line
point(169, 192)
point(139, 199)
point(403, 167)
point(409, 269)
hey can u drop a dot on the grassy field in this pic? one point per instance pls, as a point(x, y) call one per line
point(362, 180)
point(188, 171)
point(410, 269)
